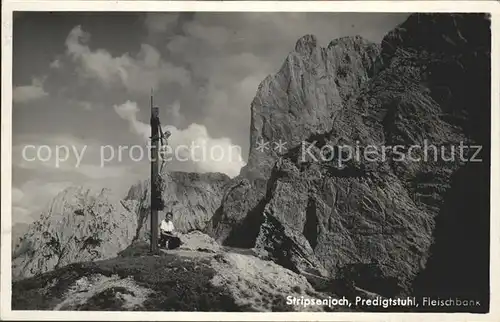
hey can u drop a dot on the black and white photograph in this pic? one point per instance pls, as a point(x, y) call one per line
point(238, 161)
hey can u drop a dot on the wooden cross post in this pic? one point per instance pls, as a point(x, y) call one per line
point(155, 191)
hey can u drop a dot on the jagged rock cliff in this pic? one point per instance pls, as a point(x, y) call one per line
point(192, 197)
point(300, 101)
point(304, 96)
point(460, 82)
point(80, 224)
point(308, 212)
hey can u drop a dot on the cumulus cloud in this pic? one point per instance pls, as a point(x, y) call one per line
point(28, 147)
point(56, 64)
point(22, 215)
point(128, 111)
point(174, 115)
point(138, 74)
point(28, 93)
point(192, 144)
point(195, 144)
point(161, 22)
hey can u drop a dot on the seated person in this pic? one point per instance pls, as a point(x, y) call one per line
point(168, 237)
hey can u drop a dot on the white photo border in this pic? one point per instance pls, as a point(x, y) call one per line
point(9, 6)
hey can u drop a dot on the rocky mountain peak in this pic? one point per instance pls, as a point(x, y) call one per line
point(306, 45)
point(80, 223)
point(86, 223)
point(381, 224)
point(303, 97)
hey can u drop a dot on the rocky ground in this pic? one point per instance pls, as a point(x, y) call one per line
point(199, 276)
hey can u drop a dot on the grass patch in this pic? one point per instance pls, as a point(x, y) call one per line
point(178, 284)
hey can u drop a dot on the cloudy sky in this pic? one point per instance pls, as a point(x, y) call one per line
point(82, 82)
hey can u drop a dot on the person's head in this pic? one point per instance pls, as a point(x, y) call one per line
point(169, 216)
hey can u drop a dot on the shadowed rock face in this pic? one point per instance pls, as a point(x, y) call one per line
point(80, 224)
point(193, 198)
point(300, 101)
point(429, 86)
point(18, 231)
